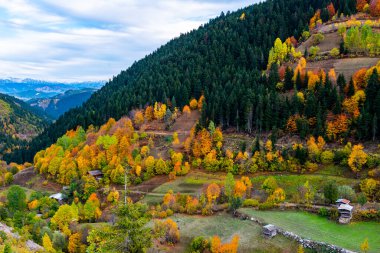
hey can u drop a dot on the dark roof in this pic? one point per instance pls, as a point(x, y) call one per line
point(95, 173)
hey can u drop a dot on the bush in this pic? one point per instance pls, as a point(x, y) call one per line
point(373, 161)
point(374, 173)
point(362, 199)
point(250, 203)
point(323, 212)
point(266, 205)
point(198, 244)
point(327, 157)
point(334, 52)
point(311, 167)
point(317, 38)
point(366, 215)
point(333, 214)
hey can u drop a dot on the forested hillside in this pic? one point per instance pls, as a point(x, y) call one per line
point(19, 122)
point(222, 59)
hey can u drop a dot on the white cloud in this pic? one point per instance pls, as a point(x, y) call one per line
point(75, 40)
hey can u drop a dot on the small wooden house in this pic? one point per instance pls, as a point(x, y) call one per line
point(270, 230)
point(345, 211)
point(97, 174)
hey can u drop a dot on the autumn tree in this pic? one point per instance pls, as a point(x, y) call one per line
point(308, 193)
point(175, 139)
point(360, 4)
point(47, 244)
point(240, 189)
point(269, 185)
point(186, 110)
point(374, 8)
point(138, 119)
point(300, 249)
point(167, 230)
point(277, 196)
point(202, 143)
point(193, 104)
point(331, 10)
point(159, 111)
point(64, 216)
point(357, 158)
point(149, 113)
point(212, 192)
point(364, 246)
point(74, 243)
point(369, 187)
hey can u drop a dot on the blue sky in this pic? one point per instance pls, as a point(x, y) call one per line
point(81, 40)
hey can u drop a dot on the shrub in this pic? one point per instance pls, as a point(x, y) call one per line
point(362, 199)
point(373, 161)
point(317, 38)
point(323, 212)
point(333, 214)
point(334, 52)
point(198, 244)
point(311, 167)
point(327, 157)
point(250, 203)
point(266, 205)
point(374, 173)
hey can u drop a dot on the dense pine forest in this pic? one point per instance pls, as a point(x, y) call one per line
point(222, 60)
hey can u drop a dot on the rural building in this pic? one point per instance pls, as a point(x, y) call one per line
point(270, 230)
point(345, 211)
point(342, 202)
point(97, 174)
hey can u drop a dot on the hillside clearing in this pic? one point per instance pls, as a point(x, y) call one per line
point(320, 229)
point(225, 226)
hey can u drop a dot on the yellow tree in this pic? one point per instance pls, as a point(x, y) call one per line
point(300, 249)
point(365, 246)
point(357, 158)
point(186, 110)
point(193, 104)
point(175, 139)
point(149, 115)
point(138, 119)
point(46, 242)
point(369, 188)
point(277, 196)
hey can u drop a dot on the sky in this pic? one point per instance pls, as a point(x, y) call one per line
point(88, 40)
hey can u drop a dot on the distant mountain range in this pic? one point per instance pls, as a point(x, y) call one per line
point(57, 105)
point(26, 89)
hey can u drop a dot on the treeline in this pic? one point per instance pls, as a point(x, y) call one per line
point(221, 60)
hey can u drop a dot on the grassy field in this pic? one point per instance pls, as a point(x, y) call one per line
point(225, 226)
point(190, 184)
point(320, 229)
point(290, 183)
